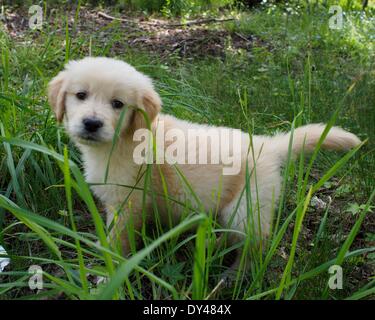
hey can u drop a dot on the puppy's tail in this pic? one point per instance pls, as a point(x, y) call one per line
point(307, 137)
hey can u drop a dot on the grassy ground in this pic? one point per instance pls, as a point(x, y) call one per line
point(268, 69)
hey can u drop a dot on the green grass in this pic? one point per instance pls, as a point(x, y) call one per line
point(299, 71)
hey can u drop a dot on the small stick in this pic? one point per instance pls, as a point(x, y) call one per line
point(108, 17)
point(197, 22)
point(189, 23)
point(221, 282)
point(241, 36)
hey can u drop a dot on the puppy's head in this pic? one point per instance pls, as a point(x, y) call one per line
point(90, 95)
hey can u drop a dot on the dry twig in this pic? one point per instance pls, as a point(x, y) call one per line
point(165, 25)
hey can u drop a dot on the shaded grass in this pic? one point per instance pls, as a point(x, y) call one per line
point(300, 72)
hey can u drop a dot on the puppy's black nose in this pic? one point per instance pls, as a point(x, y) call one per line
point(92, 124)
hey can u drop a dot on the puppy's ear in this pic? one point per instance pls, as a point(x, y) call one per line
point(150, 102)
point(56, 95)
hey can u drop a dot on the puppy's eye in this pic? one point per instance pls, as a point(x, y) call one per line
point(117, 104)
point(82, 95)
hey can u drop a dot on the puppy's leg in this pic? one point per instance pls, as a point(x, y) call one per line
point(254, 225)
point(124, 234)
point(230, 275)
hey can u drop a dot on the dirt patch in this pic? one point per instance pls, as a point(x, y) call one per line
point(161, 37)
point(194, 43)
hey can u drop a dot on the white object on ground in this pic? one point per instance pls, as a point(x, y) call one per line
point(318, 203)
point(3, 260)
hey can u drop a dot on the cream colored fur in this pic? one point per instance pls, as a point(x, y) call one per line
point(105, 79)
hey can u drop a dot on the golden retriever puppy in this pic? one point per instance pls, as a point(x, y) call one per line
point(92, 95)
